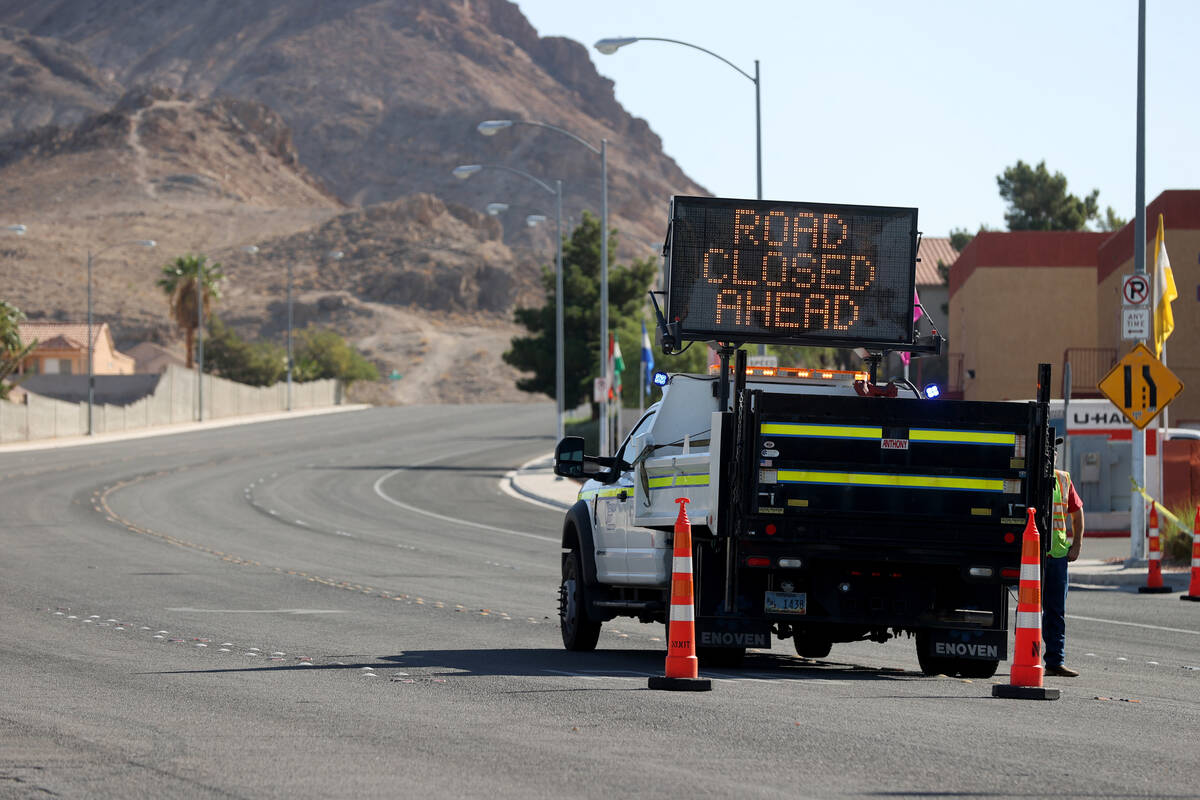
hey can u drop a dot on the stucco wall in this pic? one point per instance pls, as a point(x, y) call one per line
point(1007, 320)
point(172, 401)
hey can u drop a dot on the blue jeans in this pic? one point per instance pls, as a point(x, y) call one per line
point(1054, 609)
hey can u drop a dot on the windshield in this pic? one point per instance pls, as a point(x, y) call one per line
point(626, 452)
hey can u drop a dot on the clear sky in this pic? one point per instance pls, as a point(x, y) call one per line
point(920, 103)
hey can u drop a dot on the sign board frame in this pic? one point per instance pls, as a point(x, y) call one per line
point(1140, 386)
point(851, 278)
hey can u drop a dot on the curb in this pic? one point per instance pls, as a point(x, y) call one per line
point(1113, 574)
point(514, 483)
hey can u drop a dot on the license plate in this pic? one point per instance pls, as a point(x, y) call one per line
point(786, 603)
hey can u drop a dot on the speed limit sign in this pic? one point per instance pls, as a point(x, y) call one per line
point(1135, 289)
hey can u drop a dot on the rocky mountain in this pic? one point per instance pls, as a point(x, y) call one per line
point(195, 174)
point(48, 82)
point(383, 96)
point(323, 134)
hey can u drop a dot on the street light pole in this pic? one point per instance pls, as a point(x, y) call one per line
point(559, 362)
point(289, 335)
point(611, 45)
point(466, 171)
point(91, 375)
point(489, 128)
point(604, 432)
point(199, 339)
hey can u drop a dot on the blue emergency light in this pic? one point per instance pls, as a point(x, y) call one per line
point(661, 379)
point(932, 391)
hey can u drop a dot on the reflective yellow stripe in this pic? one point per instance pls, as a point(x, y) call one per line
point(610, 492)
point(823, 431)
point(868, 432)
point(678, 480)
point(892, 481)
point(960, 437)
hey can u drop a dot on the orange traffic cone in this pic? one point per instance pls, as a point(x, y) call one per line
point(1027, 671)
point(683, 668)
point(1194, 589)
point(1154, 581)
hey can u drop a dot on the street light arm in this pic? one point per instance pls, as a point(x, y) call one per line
point(139, 242)
point(506, 168)
point(557, 129)
point(744, 74)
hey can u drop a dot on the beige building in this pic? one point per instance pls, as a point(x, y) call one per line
point(153, 358)
point(1016, 300)
point(62, 350)
point(1021, 298)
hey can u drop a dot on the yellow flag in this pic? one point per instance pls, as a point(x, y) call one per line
point(1164, 292)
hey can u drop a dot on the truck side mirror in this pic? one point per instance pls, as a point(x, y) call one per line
point(568, 457)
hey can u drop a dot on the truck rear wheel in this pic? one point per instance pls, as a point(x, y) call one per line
point(811, 646)
point(579, 633)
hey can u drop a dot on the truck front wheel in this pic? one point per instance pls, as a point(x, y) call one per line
point(578, 632)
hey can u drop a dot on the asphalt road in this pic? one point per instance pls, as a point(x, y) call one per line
point(349, 606)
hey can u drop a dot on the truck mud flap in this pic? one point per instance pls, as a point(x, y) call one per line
point(730, 632)
point(951, 643)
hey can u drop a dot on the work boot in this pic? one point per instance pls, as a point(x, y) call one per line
point(1062, 672)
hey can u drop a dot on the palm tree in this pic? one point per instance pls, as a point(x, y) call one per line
point(12, 353)
point(178, 282)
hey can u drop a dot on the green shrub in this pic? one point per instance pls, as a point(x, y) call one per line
point(322, 353)
point(1176, 542)
point(232, 357)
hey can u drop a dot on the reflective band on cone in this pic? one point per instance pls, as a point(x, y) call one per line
point(1027, 671)
point(1193, 592)
point(683, 668)
point(1154, 581)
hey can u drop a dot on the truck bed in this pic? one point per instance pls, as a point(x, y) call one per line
point(890, 471)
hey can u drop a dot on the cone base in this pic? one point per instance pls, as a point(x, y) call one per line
point(1025, 692)
point(680, 684)
point(1154, 589)
point(1195, 598)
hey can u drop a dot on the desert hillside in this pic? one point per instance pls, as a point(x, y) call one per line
point(307, 129)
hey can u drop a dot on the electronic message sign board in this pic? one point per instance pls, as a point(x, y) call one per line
point(791, 273)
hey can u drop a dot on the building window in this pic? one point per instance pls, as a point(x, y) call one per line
point(64, 366)
point(50, 366)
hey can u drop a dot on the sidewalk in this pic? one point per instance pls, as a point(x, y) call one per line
point(166, 430)
point(536, 481)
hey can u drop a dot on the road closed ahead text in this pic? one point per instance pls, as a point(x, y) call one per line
point(791, 272)
point(761, 270)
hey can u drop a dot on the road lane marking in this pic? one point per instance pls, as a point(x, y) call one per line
point(1133, 624)
point(258, 610)
point(452, 520)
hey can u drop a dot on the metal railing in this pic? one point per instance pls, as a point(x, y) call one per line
point(1089, 365)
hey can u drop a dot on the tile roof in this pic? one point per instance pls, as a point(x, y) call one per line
point(44, 332)
point(932, 249)
point(59, 342)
